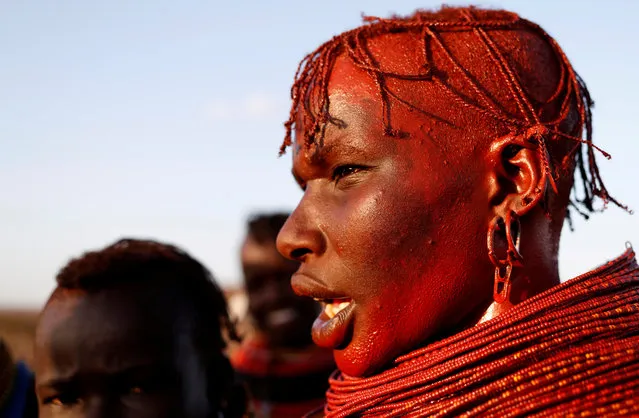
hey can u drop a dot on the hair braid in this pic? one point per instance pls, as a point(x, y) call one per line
point(311, 102)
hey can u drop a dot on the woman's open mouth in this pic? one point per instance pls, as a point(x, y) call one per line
point(333, 306)
point(333, 327)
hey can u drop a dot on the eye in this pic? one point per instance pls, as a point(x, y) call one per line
point(136, 390)
point(346, 170)
point(63, 400)
point(143, 387)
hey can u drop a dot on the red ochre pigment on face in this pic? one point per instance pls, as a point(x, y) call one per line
point(403, 215)
point(397, 180)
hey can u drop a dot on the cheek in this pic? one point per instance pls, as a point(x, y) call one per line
point(412, 242)
point(380, 229)
point(363, 224)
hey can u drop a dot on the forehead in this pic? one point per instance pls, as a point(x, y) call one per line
point(424, 92)
point(391, 56)
point(263, 255)
point(357, 102)
point(110, 329)
point(353, 103)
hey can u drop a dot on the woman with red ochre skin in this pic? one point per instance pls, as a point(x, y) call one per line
point(437, 154)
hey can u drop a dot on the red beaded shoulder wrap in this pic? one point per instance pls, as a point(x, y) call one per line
point(573, 349)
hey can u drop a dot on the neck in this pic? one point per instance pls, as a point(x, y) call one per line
point(524, 348)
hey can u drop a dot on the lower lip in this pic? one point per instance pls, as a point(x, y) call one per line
point(334, 332)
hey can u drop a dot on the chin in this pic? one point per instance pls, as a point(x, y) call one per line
point(367, 356)
point(358, 363)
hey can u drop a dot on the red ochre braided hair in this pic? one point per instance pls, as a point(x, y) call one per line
point(560, 125)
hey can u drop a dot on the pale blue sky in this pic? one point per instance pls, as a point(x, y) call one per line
point(163, 118)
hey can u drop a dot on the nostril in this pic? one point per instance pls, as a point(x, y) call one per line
point(299, 253)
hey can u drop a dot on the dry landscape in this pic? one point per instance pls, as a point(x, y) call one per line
point(16, 329)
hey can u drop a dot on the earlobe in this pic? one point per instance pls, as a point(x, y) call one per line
point(517, 180)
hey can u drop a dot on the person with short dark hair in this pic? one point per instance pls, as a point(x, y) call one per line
point(285, 372)
point(136, 329)
point(439, 154)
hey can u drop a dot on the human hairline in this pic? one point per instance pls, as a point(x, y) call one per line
point(265, 226)
point(569, 130)
point(148, 263)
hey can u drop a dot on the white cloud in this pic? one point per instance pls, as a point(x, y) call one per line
point(220, 110)
point(256, 105)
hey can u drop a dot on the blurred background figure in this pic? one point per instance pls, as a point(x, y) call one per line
point(286, 373)
point(17, 395)
point(137, 329)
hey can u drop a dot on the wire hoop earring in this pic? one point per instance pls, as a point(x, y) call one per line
point(511, 228)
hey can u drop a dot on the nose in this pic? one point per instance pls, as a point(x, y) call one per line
point(301, 236)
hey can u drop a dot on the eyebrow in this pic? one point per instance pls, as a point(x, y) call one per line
point(71, 378)
point(56, 382)
point(323, 153)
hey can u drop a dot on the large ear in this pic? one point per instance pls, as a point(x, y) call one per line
point(517, 180)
